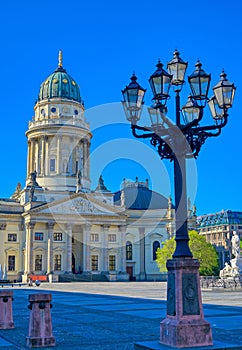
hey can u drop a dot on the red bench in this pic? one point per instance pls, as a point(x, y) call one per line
point(41, 278)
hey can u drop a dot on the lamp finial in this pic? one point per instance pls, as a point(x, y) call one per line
point(60, 59)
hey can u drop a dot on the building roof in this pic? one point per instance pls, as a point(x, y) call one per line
point(224, 217)
point(137, 196)
point(59, 84)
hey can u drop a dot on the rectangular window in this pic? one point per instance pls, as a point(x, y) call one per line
point(52, 164)
point(57, 262)
point(94, 237)
point(12, 237)
point(112, 237)
point(38, 236)
point(112, 262)
point(38, 262)
point(94, 262)
point(57, 236)
point(11, 263)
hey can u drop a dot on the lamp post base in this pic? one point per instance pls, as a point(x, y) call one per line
point(184, 325)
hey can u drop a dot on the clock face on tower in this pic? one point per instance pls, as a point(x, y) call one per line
point(53, 110)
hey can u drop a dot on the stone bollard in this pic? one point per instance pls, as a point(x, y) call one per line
point(40, 322)
point(6, 314)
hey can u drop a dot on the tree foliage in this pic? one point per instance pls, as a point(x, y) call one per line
point(201, 250)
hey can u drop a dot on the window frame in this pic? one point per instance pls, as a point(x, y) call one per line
point(112, 237)
point(38, 262)
point(112, 262)
point(39, 234)
point(155, 246)
point(57, 262)
point(13, 235)
point(94, 237)
point(129, 251)
point(13, 263)
point(57, 236)
point(94, 262)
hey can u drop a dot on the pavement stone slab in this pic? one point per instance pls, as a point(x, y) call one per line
point(108, 318)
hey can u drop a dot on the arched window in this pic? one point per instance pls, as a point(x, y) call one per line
point(129, 251)
point(156, 245)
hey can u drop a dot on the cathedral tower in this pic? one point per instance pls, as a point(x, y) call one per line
point(58, 136)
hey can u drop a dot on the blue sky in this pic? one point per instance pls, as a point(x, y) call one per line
point(103, 42)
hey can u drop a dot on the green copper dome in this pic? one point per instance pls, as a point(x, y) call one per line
point(60, 84)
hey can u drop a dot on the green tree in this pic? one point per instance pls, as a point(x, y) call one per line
point(201, 250)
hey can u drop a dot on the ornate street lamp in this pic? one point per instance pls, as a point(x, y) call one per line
point(184, 325)
point(133, 99)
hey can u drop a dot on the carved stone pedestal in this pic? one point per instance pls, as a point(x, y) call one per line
point(184, 325)
point(40, 322)
point(6, 314)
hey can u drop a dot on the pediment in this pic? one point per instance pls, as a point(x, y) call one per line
point(79, 204)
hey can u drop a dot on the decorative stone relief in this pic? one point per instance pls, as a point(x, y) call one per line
point(190, 294)
point(77, 205)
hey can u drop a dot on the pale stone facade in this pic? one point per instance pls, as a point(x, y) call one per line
point(57, 226)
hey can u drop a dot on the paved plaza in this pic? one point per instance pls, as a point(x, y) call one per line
point(114, 316)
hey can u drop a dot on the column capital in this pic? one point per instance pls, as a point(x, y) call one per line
point(30, 224)
point(3, 226)
point(105, 227)
point(87, 227)
point(50, 225)
point(122, 228)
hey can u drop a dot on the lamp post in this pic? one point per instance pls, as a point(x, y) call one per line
point(184, 325)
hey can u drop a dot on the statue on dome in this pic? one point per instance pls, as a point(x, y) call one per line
point(17, 191)
point(33, 182)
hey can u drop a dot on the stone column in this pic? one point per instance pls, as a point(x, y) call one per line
point(36, 156)
point(28, 160)
point(104, 253)
point(31, 152)
point(80, 159)
point(74, 151)
point(69, 247)
point(21, 246)
point(85, 165)
point(51, 225)
point(29, 247)
point(32, 155)
point(46, 156)
point(142, 253)
point(70, 162)
point(88, 160)
point(58, 155)
point(86, 248)
point(42, 164)
point(122, 230)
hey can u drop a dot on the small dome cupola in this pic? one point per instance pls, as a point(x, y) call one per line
point(59, 84)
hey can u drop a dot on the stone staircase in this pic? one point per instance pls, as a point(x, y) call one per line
point(84, 277)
